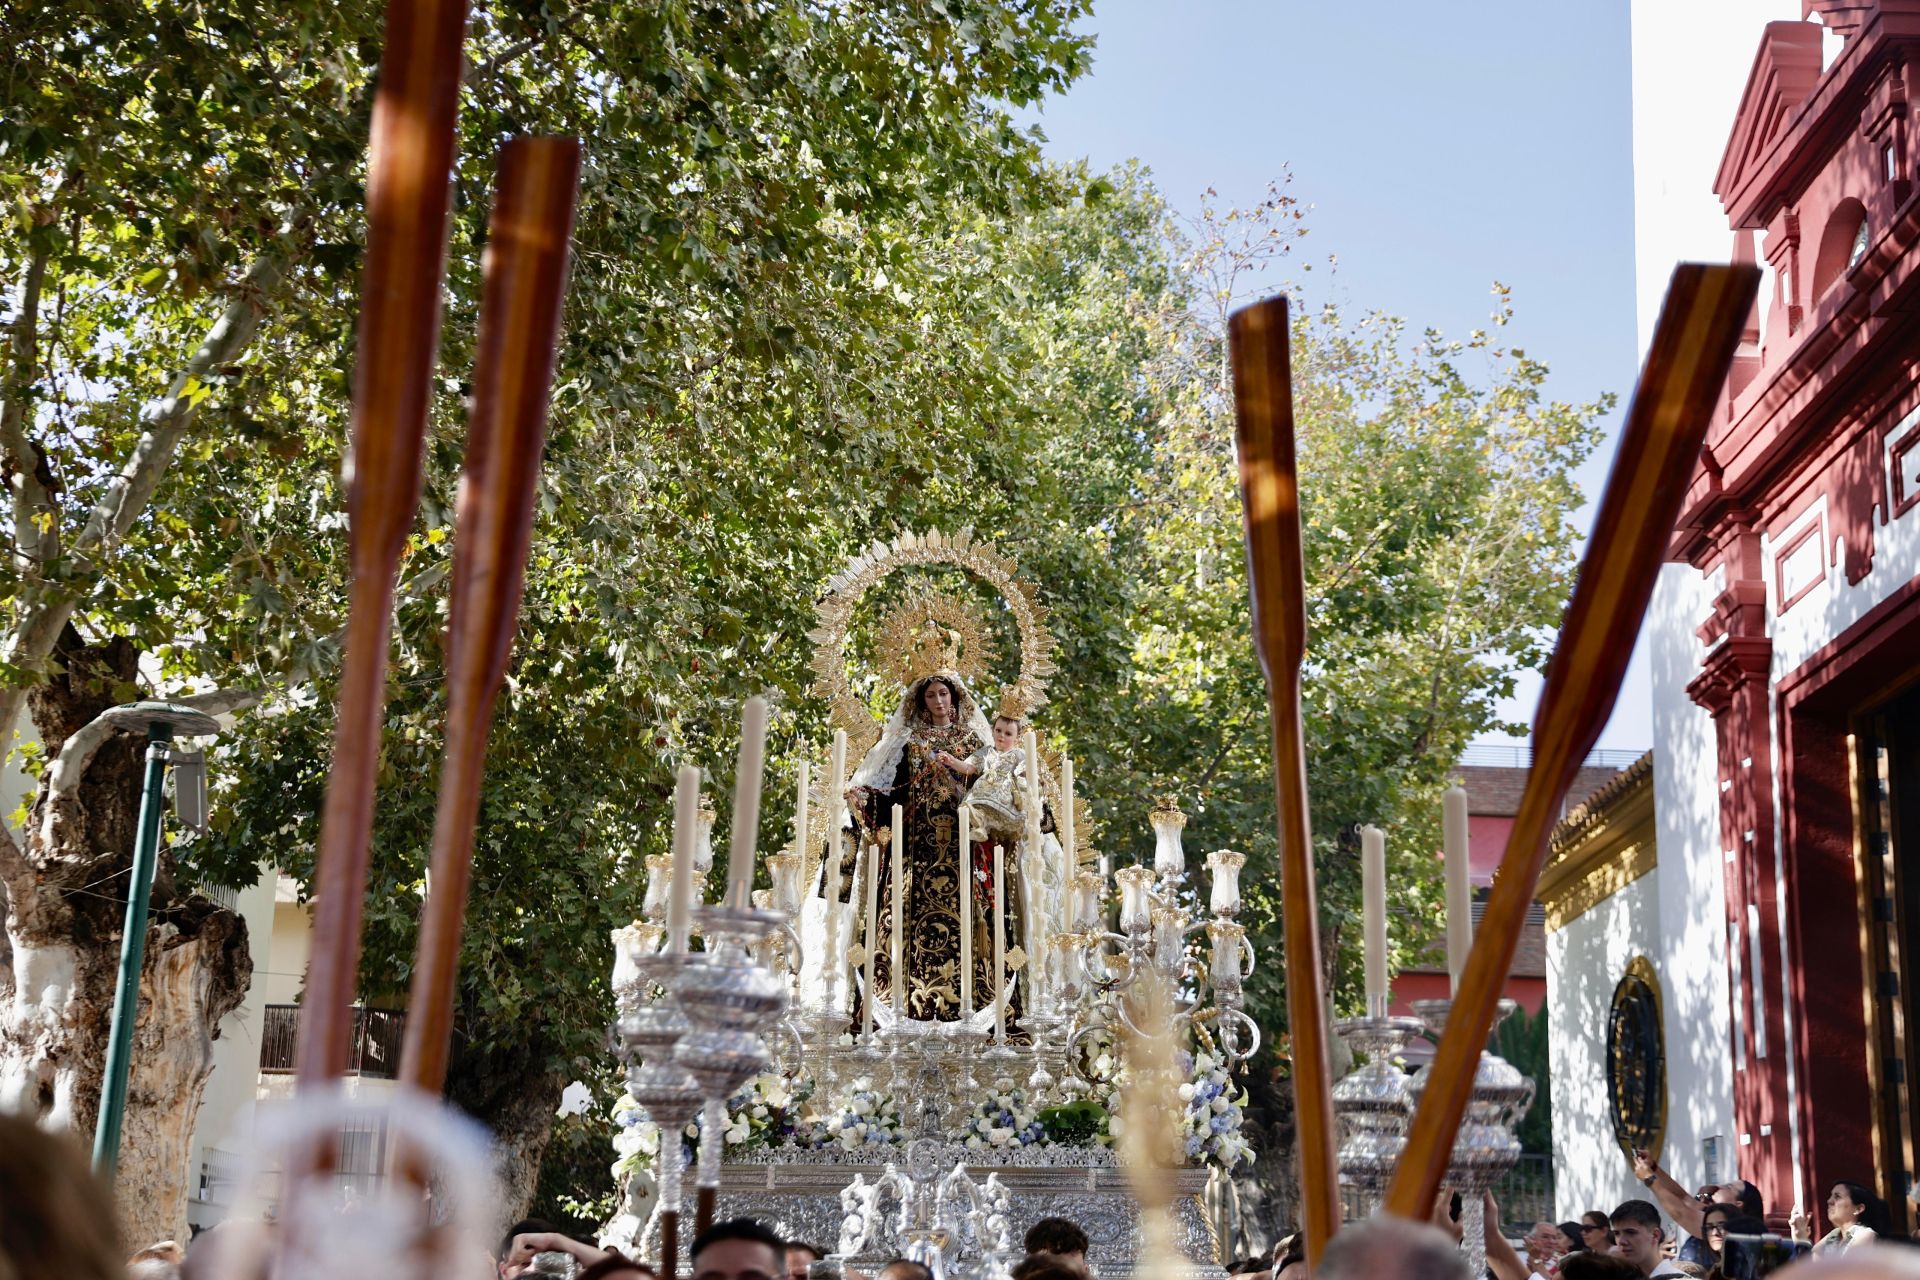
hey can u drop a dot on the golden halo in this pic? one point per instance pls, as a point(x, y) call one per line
point(834, 613)
point(932, 632)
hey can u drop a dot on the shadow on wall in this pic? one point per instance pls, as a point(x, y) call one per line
point(1691, 931)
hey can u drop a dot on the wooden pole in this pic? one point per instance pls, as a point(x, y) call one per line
point(1693, 345)
point(409, 172)
point(1269, 491)
point(525, 280)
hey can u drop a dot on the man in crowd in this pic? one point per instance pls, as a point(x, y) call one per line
point(738, 1249)
point(800, 1256)
point(1062, 1241)
point(1687, 1210)
point(1638, 1236)
point(1392, 1249)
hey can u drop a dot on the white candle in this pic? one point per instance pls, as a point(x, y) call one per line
point(899, 932)
point(800, 816)
point(1373, 900)
point(1033, 781)
point(836, 813)
point(873, 936)
point(686, 805)
point(1459, 880)
point(999, 944)
point(1067, 842)
point(966, 911)
point(746, 802)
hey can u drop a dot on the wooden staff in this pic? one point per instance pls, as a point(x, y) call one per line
point(409, 171)
point(1693, 345)
point(525, 279)
point(1270, 493)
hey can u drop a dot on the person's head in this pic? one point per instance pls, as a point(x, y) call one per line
point(801, 1255)
point(1596, 1233)
point(938, 698)
point(1547, 1241)
point(1574, 1235)
point(1850, 1204)
point(1006, 732)
point(1061, 1238)
point(1713, 1226)
point(56, 1218)
point(738, 1249)
point(524, 1227)
point(1744, 1194)
point(1597, 1266)
point(1045, 1266)
point(904, 1269)
point(1392, 1249)
point(1637, 1234)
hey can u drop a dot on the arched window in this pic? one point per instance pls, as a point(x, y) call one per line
point(1842, 244)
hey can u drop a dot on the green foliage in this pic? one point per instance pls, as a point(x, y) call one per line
point(1522, 1040)
point(823, 290)
point(1075, 1123)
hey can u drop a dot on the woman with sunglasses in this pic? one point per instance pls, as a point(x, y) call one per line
point(1596, 1233)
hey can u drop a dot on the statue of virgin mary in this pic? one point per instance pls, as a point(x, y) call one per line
point(923, 764)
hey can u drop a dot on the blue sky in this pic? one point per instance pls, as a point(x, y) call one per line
point(1441, 147)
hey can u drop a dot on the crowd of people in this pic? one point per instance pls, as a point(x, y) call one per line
point(52, 1207)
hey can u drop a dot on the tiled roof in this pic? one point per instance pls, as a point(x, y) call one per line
point(1495, 792)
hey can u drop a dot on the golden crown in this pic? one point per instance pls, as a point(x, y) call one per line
point(932, 633)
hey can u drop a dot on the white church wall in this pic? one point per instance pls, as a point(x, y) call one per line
point(1584, 961)
point(1690, 957)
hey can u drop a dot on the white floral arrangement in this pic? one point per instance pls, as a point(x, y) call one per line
point(864, 1118)
point(1215, 1107)
point(761, 1113)
point(1004, 1119)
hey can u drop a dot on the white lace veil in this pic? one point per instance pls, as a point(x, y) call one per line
point(878, 769)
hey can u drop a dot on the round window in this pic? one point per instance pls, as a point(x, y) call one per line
point(1637, 1061)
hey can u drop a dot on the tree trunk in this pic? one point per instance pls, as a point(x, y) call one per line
point(512, 1090)
point(66, 906)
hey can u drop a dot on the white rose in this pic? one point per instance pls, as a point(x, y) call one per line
point(1220, 1104)
point(1186, 1093)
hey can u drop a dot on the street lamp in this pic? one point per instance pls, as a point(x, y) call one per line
point(161, 721)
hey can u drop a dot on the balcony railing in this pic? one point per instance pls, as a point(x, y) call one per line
point(376, 1041)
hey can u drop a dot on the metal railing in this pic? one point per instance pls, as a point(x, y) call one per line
point(376, 1041)
point(1525, 1193)
point(1488, 755)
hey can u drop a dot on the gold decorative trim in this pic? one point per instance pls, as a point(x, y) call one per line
point(1642, 968)
point(834, 613)
point(1600, 848)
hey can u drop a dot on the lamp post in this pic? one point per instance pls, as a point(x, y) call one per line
point(161, 721)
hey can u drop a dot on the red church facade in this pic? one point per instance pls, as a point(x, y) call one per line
point(1803, 522)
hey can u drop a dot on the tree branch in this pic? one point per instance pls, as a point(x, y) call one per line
point(168, 419)
point(44, 608)
point(36, 526)
point(70, 765)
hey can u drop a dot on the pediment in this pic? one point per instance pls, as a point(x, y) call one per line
point(1785, 71)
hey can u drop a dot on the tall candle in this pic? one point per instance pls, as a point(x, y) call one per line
point(746, 802)
point(1373, 899)
point(873, 936)
point(898, 932)
point(686, 806)
point(999, 944)
point(1033, 780)
point(1067, 842)
point(1459, 882)
point(836, 812)
point(800, 816)
point(966, 910)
